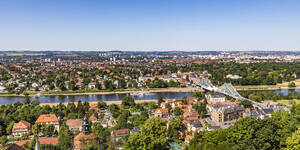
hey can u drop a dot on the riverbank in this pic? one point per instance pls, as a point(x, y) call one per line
point(268, 87)
point(126, 91)
point(92, 103)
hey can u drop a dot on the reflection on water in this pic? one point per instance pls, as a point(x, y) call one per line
point(105, 97)
point(287, 91)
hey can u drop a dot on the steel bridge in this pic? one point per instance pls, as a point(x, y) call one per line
point(226, 89)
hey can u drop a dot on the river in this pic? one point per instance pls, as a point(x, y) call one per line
point(97, 97)
point(108, 97)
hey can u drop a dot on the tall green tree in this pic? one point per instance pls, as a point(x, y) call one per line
point(152, 135)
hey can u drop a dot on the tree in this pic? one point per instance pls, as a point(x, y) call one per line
point(152, 135)
point(35, 102)
point(91, 147)
point(168, 105)
point(62, 86)
point(128, 101)
point(101, 105)
point(3, 140)
point(36, 128)
point(137, 120)
point(122, 83)
point(47, 130)
point(9, 127)
point(201, 109)
point(291, 85)
point(293, 142)
point(115, 110)
point(175, 126)
point(108, 85)
point(51, 86)
point(177, 111)
point(123, 120)
point(26, 100)
point(64, 137)
point(98, 86)
point(102, 135)
point(160, 100)
point(246, 104)
point(199, 95)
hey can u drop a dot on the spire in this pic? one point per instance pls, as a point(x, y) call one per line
point(86, 126)
point(37, 147)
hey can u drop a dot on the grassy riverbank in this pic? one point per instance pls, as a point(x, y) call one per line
point(267, 87)
point(288, 102)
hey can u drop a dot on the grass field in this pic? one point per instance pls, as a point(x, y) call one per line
point(288, 101)
point(267, 87)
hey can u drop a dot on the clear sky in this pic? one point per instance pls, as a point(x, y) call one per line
point(150, 25)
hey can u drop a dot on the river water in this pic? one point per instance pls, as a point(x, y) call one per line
point(97, 97)
point(108, 97)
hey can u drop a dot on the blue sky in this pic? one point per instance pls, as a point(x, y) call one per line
point(150, 25)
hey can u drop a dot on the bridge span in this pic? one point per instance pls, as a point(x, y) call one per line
point(226, 89)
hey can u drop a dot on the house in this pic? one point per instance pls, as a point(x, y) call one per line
point(93, 119)
point(225, 111)
point(233, 76)
point(92, 85)
point(14, 147)
point(161, 112)
point(84, 137)
point(2, 88)
point(35, 84)
point(196, 126)
point(117, 134)
point(48, 119)
point(74, 124)
point(215, 97)
point(188, 138)
point(42, 141)
point(210, 128)
point(21, 128)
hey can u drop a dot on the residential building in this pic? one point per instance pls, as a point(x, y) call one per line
point(215, 97)
point(74, 124)
point(117, 134)
point(161, 112)
point(14, 147)
point(222, 113)
point(48, 119)
point(21, 128)
point(85, 137)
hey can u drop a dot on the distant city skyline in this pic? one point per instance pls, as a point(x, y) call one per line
point(155, 25)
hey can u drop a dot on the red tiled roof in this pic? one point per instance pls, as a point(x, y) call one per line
point(14, 147)
point(93, 118)
point(162, 110)
point(227, 103)
point(120, 132)
point(81, 139)
point(189, 137)
point(52, 141)
point(93, 106)
point(47, 118)
point(22, 124)
point(74, 123)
